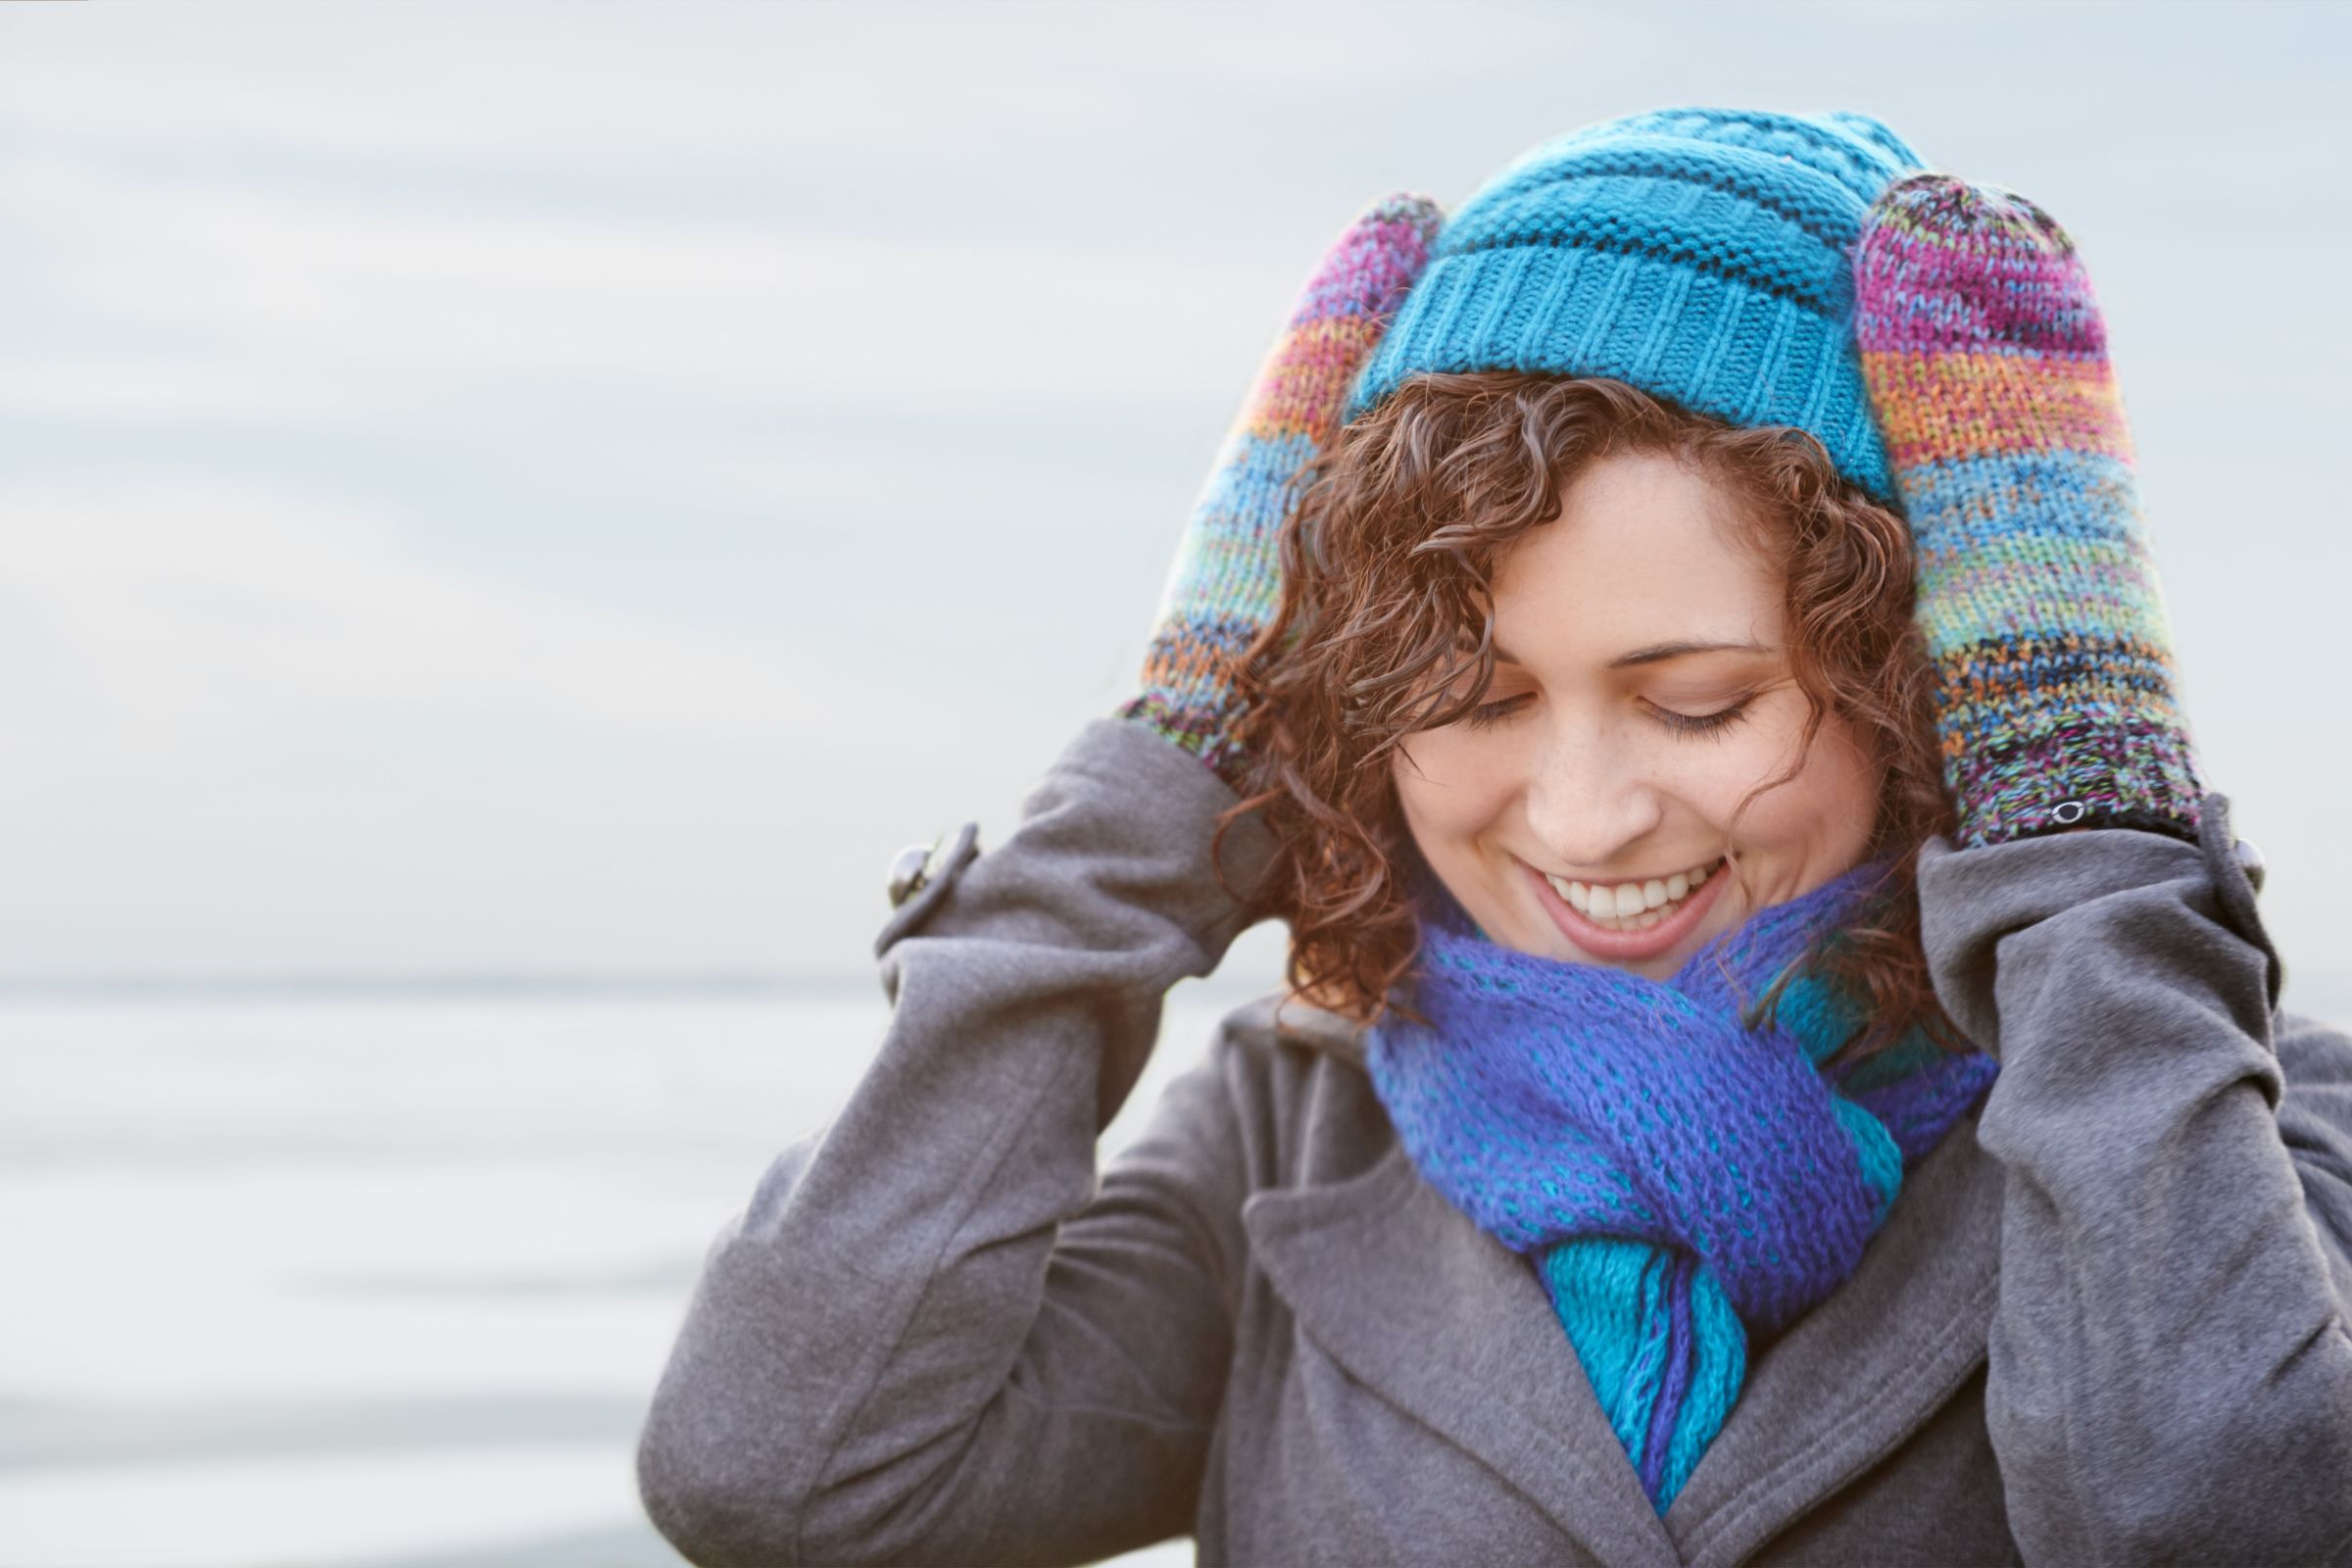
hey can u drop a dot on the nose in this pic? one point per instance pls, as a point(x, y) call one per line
point(1588, 801)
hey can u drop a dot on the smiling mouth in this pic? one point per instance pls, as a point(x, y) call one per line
point(1630, 907)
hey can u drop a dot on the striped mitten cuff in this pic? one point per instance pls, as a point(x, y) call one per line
point(1225, 584)
point(1986, 360)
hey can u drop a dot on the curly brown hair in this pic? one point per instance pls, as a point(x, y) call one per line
point(1387, 554)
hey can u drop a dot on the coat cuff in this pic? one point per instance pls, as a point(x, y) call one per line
point(1971, 898)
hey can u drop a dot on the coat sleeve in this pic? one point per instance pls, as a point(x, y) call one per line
point(2169, 1369)
point(934, 1334)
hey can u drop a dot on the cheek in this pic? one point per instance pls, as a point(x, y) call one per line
point(1717, 774)
point(1829, 808)
point(1714, 773)
point(1451, 783)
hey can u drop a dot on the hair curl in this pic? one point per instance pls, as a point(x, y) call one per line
point(1387, 554)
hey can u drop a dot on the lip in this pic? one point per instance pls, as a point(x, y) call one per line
point(1629, 944)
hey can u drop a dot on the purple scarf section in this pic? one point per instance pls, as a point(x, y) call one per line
point(1677, 1178)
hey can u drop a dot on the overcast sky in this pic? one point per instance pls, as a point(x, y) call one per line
point(575, 488)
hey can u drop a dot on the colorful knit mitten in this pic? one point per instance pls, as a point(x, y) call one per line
point(1225, 584)
point(1984, 356)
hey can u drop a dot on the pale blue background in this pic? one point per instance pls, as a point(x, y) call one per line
point(569, 491)
point(575, 488)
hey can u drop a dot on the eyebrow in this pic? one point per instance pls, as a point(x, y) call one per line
point(1656, 653)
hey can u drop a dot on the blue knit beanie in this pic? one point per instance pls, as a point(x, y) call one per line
point(1702, 255)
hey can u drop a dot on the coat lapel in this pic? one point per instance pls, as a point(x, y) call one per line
point(1863, 1370)
point(1412, 1298)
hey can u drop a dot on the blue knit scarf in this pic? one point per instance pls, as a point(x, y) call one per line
point(1675, 1178)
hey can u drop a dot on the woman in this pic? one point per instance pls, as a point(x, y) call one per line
point(1784, 1063)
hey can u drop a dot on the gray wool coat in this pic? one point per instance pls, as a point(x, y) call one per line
point(2104, 1323)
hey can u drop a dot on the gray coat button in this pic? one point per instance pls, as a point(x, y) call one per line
point(2250, 860)
point(906, 872)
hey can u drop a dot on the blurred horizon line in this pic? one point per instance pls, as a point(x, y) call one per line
point(436, 982)
point(326, 985)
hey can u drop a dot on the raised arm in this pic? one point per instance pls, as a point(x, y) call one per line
point(935, 1334)
point(929, 1337)
point(2170, 1373)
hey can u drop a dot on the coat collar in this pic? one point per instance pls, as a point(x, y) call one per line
point(1414, 1299)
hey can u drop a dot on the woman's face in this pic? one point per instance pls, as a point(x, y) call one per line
point(1640, 690)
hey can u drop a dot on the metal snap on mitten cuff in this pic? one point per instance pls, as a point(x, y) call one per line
point(2067, 813)
point(2250, 860)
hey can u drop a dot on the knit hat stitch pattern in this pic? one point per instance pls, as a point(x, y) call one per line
point(1701, 253)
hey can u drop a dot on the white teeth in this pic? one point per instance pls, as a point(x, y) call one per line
point(1631, 905)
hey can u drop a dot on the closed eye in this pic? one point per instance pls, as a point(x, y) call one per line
point(1723, 718)
point(1493, 713)
point(1714, 724)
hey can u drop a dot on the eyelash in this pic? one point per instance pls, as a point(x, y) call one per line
point(1495, 712)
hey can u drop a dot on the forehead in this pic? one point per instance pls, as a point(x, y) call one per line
point(1643, 546)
